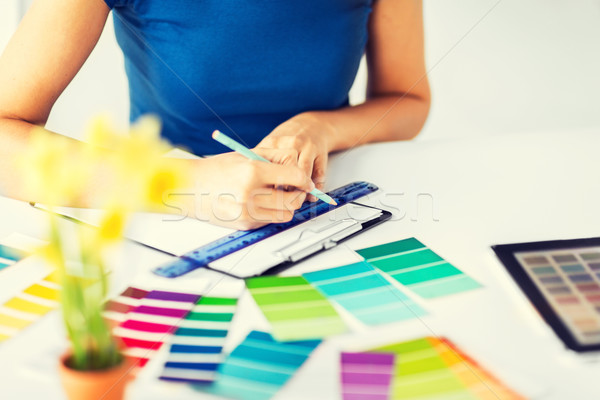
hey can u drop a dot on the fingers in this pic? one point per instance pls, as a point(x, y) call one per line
point(319, 171)
point(306, 161)
point(279, 156)
point(228, 211)
point(284, 175)
point(274, 199)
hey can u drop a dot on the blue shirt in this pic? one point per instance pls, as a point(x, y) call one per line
point(240, 66)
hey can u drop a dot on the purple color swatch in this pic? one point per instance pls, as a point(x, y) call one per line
point(164, 312)
point(172, 296)
point(366, 376)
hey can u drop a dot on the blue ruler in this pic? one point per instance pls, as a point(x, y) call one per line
point(224, 246)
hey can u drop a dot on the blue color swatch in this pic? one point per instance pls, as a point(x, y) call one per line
point(360, 289)
point(259, 366)
point(197, 345)
point(9, 256)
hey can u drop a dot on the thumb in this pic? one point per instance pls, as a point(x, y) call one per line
point(278, 156)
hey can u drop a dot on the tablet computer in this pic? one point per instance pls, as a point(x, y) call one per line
point(562, 280)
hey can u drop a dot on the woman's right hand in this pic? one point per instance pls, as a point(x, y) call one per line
point(236, 192)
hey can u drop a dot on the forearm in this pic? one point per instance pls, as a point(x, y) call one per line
point(15, 137)
point(380, 119)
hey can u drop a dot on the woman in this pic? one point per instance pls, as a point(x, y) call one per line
point(272, 74)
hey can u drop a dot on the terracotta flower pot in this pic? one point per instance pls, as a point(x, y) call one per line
point(106, 384)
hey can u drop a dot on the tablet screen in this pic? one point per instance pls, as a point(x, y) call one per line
point(562, 279)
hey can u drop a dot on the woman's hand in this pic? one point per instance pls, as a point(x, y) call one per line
point(310, 137)
point(236, 192)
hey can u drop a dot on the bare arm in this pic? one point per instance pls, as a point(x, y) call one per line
point(46, 52)
point(398, 95)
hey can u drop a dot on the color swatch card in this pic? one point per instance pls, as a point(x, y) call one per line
point(417, 267)
point(197, 346)
point(360, 289)
point(259, 366)
point(29, 306)
point(295, 309)
point(151, 323)
point(116, 309)
point(431, 368)
point(9, 256)
point(367, 376)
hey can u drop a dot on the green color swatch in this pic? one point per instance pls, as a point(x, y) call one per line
point(418, 268)
point(420, 371)
point(434, 368)
point(400, 246)
point(295, 309)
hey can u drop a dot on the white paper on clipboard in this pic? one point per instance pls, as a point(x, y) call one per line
point(298, 242)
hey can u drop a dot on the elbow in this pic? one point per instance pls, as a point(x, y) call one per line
point(420, 114)
point(411, 117)
point(405, 111)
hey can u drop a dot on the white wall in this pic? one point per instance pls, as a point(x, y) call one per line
point(8, 20)
point(100, 87)
point(528, 65)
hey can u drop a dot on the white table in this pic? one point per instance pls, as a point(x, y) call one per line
point(502, 189)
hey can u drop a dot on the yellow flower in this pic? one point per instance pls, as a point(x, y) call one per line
point(101, 133)
point(138, 151)
point(112, 225)
point(143, 174)
point(52, 254)
point(53, 171)
point(168, 176)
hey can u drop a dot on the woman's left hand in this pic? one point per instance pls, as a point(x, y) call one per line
point(311, 137)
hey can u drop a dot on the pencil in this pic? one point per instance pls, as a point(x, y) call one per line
point(243, 150)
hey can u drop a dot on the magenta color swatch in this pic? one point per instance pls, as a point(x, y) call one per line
point(151, 327)
point(163, 312)
point(366, 376)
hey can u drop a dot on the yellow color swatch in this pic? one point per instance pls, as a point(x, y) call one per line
point(12, 322)
point(19, 304)
point(3, 337)
point(43, 292)
point(54, 277)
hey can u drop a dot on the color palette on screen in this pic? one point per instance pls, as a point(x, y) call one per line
point(28, 306)
point(197, 345)
point(433, 368)
point(259, 366)
point(367, 376)
point(295, 309)
point(365, 293)
point(151, 323)
point(570, 282)
point(418, 268)
point(9, 256)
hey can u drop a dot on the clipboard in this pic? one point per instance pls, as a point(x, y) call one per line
point(316, 227)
